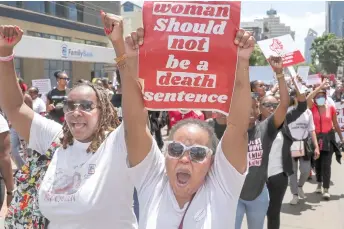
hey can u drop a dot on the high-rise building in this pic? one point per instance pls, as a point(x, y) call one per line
point(273, 27)
point(335, 18)
point(132, 16)
point(311, 35)
point(256, 27)
point(65, 25)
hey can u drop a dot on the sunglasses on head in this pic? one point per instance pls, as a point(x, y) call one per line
point(270, 105)
point(83, 105)
point(197, 153)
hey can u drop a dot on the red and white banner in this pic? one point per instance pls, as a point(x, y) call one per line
point(188, 60)
point(340, 118)
point(283, 46)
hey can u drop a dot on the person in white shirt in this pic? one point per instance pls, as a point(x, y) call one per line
point(85, 186)
point(301, 130)
point(5, 162)
point(38, 105)
point(197, 183)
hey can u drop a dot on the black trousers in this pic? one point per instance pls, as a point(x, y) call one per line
point(277, 186)
point(2, 192)
point(323, 168)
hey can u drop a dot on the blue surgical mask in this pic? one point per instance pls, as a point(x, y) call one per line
point(320, 101)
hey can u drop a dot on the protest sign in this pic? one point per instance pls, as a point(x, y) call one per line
point(314, 79)
point(44, 86)
point(283, 46)
point(340, 118)
point(303, 72)
point(188, 59)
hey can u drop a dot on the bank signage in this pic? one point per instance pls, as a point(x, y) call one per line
point(48, 49)
point(70, 52)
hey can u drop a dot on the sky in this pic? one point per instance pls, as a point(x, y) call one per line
point(299, 15)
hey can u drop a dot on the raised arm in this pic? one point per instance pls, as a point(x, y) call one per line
point(138, 137)
point(311, 95)
point(11, 96)
point(235, 139)
point(281, 110)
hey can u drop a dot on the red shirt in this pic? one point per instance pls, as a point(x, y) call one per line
point(326, 119)
point(176, 116)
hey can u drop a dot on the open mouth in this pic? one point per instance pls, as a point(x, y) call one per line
point(183, 178)
point(78, 125)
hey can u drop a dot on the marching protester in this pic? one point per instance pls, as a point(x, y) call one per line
point(302, 130)
point(6, 179)
point(201, 175)
point(254, 198)
point(85, 157)
point(280, 160)
point(56, 97)
point(326, 124)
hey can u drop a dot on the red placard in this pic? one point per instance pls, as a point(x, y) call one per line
point(188, 60)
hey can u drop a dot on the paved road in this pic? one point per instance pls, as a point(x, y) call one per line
point(313, 212)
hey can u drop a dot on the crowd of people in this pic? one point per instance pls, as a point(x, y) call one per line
point(92, 156)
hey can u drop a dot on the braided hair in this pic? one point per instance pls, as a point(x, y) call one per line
point(108, 119)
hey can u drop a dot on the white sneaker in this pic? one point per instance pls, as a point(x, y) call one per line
point(326, 194)
point(319, 189)
point(295, 200)
point(301, 193)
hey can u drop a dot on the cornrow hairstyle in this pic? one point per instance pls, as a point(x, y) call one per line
point(108, 119)
point(213, 140)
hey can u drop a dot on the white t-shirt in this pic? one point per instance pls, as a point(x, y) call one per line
point(301, 128)
point(82, 190)
point(3, 125)
point(38, 105)
point(214, 205)
point(275, 158)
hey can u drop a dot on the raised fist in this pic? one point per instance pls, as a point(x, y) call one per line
point(113, 26)
point(276, 63)
point(246, 42)
point(10, 35)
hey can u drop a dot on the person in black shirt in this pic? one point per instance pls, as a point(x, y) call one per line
point(117, 98)
point(56, 97)
point(219, 124)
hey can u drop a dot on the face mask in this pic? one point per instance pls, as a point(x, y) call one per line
point(320, 101)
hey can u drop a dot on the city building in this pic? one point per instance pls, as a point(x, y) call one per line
point(71, 34)
point(132, 16)
point(273, 27)
point(256, 27)
point(311, 35)
point(335, 18)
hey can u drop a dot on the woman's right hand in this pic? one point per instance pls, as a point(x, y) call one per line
point(133, 42)
point(10, 35)
point(276, 64)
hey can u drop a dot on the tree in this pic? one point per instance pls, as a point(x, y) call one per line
point(328, 52)
point(257, 57)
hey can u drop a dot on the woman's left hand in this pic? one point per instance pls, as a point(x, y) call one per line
point(316, 153)
point(246, 42)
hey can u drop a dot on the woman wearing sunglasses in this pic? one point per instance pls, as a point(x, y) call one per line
point(254, 197)
point(280, 160)
point(196, 183)
point(85, 186)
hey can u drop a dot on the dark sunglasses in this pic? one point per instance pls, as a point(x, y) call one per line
point(270, 105)
point(197, 153)
point(66, 79)
point(83, 105)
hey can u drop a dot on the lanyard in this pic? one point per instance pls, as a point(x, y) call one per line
point(181, 222)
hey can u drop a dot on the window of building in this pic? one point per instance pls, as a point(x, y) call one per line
point(18, 67)
point(35, 6)
point(51, 66)
point(128, 7)
point(97, 68)
point(48, 36)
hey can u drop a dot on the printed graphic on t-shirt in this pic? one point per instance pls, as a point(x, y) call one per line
point(255, 152)
point(68, 184)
